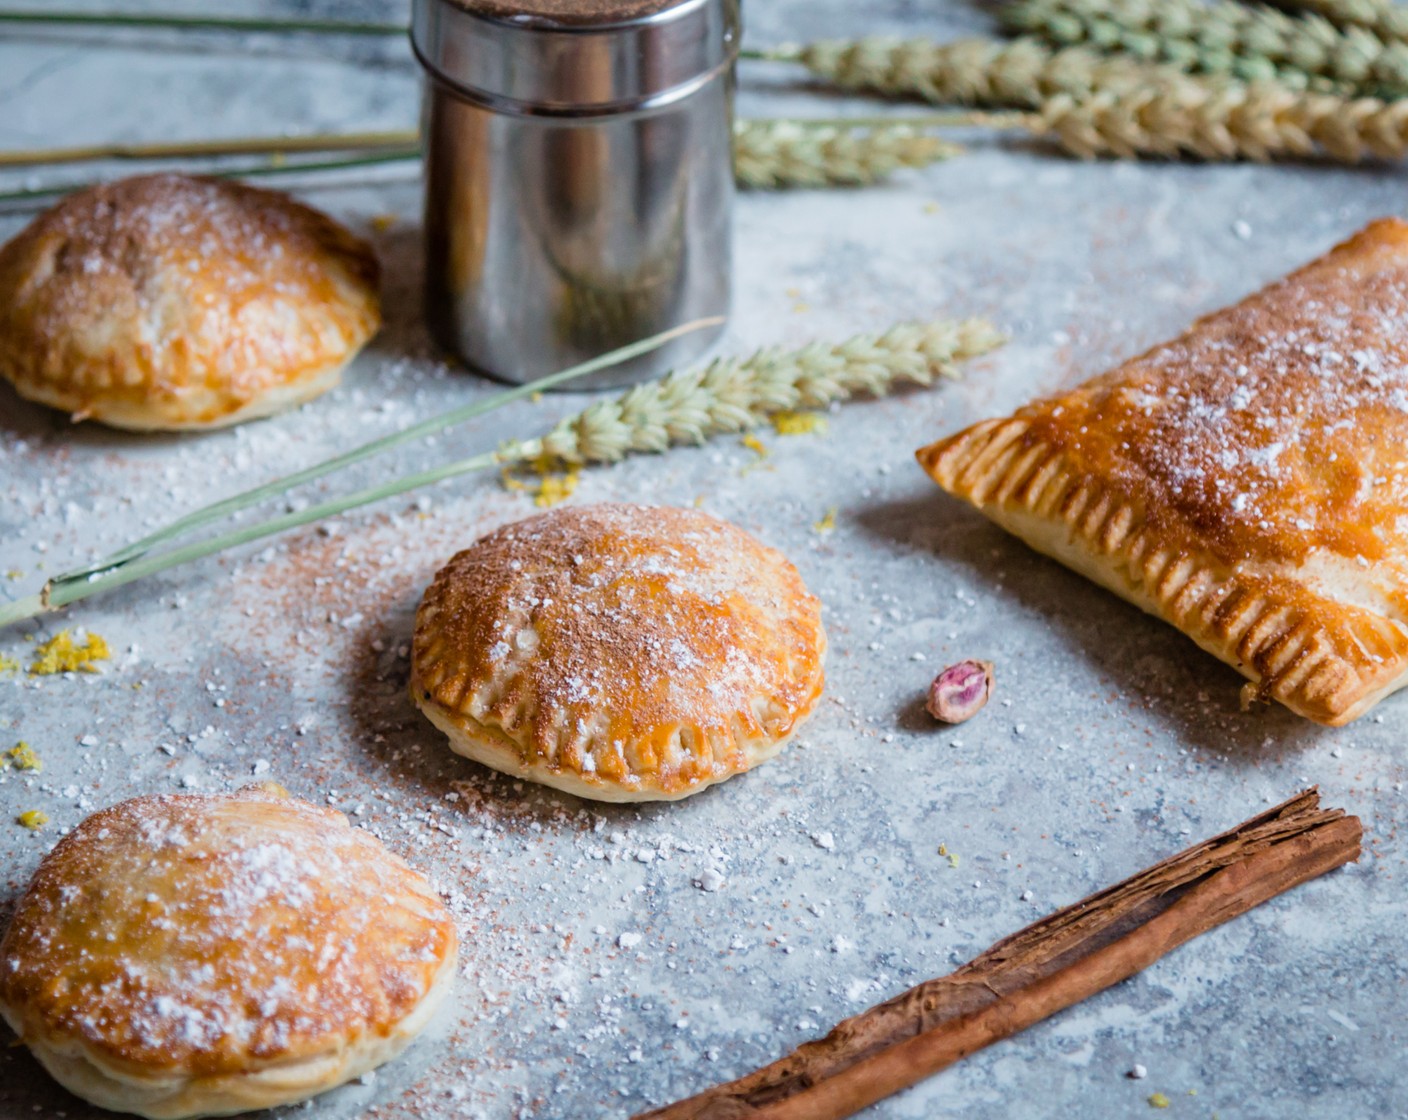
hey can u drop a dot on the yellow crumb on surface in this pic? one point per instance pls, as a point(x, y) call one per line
point(827, 522)
point(755, 445)
point(24, 757)
point(801, 308)
point(14, 573)
point(931, 208)
point(948, 855)
point(555, 488)
point(8, 664)
point(789, 423)
point(62, 654)
point(383, 222)
point(1158, 1100)
point(33, 818)
point(548, 480)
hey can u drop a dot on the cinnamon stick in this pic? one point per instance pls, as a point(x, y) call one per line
point(1050, 965)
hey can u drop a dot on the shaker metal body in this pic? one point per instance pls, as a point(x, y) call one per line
point(579, 178)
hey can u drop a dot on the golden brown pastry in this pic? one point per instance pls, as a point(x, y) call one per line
point(1246, 482)
point(618, 652)
point(170, 302)
point(199, 955)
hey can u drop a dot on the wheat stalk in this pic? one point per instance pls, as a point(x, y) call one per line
point(200, 23)
point(728, 395)
point(1250, 43)
point(770, 154)
point(399, 140)
point(1257, 122)
point(1023, 72)
point(733, 395)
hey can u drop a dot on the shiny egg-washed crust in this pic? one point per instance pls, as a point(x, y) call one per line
point(1245, 482)
point(168, 302)
point(618, 652)
point(198, 955)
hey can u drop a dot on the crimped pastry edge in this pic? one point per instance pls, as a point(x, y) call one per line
point(117, 411)
point(1026, 487)
point(82, 1070)
point(491, 747)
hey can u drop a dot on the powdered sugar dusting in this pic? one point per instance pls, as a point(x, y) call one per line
point(169, 281)
point(1275, 426)
point(214, 931)
point(646, 639)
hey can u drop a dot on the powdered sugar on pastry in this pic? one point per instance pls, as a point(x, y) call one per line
point(1247, 481)
point(1273, 427)
point(185, 945)
point(169, 301)
point(618, 650)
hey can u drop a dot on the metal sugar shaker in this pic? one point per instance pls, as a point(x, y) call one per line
point(579, 178)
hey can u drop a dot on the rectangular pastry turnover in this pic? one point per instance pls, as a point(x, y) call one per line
point(1246, 482)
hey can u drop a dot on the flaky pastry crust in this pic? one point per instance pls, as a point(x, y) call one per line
point(194, 955)
point(1245, 482)
point(618, 652)
point(174, 302)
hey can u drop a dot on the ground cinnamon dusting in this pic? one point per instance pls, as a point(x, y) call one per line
point(1274, 426)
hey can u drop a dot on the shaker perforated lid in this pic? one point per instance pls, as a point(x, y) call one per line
point(574, 57)
point(569, 13)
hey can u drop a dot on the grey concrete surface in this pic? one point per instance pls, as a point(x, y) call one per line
point(597, 977)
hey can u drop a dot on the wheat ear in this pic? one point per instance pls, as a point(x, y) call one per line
point(1022, 72)
point(728, 395)
point(1250, 43)
point(1384, 18)
point(733, 394)
point(772, 154)
point(1258, 122)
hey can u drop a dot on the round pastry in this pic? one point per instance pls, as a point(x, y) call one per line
point(618, 652)
point(200, 955)
point(171, 302)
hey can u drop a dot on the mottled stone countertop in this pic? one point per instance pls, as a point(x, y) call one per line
point(598, 977)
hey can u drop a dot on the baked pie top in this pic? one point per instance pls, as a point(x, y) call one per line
point(619, 651)
point(1247, 481)
point(202, 935)
point(174, 301)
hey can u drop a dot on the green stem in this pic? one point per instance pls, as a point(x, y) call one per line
point(203, 23)
point(439, 423)
point(63, 590)
point(31, 606)
point(245, 171)
point(958, 118)
point(785, 53)
point(206, 149)
point(81, 583)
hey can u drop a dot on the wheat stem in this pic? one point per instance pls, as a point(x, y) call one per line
point(43, 195)
point(224, 508)
point(201, 23)
point(768, 153)
point(724, 396)
point(1249, 43)
point(205, 149)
